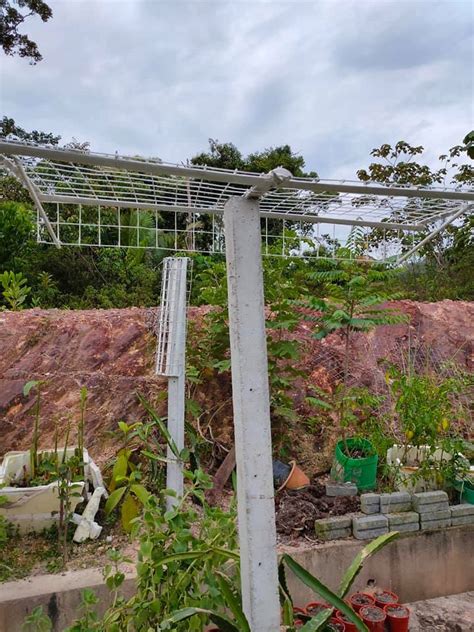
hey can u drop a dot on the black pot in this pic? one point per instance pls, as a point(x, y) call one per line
point(281, 471)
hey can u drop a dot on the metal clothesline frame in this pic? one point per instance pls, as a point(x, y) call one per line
point(75, 177)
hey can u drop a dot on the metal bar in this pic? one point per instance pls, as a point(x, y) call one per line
point(433, 234)
point(251, 403)
point(34, 195)
point(64, 155)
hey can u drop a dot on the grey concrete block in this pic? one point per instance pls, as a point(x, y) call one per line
point(435, 524)
point(430, 508)
point(340, 489)
point(336, 523)
point(406, 528)
point(462, 510)
point(396, 502)
point(406, 517)
point(442, 514)
point(369, 534)
point(361, 523)
point(370, 503)
point(428, 498)
point(335, 534)
point(461, 520)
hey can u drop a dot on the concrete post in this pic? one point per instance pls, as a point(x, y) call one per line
point(251, 403)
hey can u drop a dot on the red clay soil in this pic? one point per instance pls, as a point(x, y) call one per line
point(111, 352)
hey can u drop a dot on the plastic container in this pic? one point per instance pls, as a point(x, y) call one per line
point(373, 617)
point(350, 627)
point(335, 626)
point(384, 598)
point(361, 471)
point(398, 617)
point(360, 599)
point(466, 490)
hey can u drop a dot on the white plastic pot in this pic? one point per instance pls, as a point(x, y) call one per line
point(37, 508)
point(406, 459)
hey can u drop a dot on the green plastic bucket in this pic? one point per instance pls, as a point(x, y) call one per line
point(466, 489)
point(362, 472)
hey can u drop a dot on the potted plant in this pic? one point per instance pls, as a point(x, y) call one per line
point(39, 486)
point(373, 617)
point(424, 404)
point(398, 617)
point(384, 598)
point(360, 599)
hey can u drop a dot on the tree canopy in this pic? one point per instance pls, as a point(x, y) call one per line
point(13, 15)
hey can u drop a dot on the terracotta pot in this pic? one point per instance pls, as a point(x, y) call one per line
point(296, 479)
point(359, 599)
point(373, 617)
point(350, 627)
point(398, 617)
point(315, 607)
point(384, 598)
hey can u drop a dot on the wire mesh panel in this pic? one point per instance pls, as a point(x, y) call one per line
point(171, 330)
point(88, 199)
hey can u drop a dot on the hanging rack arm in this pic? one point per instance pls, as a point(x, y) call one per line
point(20, 173)
point(433, 234)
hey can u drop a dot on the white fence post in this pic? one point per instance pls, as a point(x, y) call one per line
point(171, 361)
point(250, 394)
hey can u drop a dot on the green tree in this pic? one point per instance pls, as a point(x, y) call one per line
point(12, 17)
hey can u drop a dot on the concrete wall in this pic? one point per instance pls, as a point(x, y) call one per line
point(416, 566)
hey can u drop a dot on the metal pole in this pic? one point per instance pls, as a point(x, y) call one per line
point(251, 402)
point(433, 234)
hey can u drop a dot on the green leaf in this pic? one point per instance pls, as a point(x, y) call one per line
point(232, 602)
point(28, 386)
point(140, 492)
point(120, 468)
point(161, 426)
point(327, 594)
point(123, 427)
point(225, 624)
point(114, 499)
point(130, 510)
point(358, 562)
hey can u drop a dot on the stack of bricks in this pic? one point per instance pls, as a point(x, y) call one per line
point(333, 528)
point(462, 514)
point(369, 527)
point(433, 508)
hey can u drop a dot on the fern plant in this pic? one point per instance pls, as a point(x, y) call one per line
point(355, 295)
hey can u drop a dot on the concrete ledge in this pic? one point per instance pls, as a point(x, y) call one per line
point(417, 566)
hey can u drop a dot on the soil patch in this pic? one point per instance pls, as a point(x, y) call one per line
point(296, 510)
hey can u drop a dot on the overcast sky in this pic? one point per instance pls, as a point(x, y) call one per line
point(331, 78)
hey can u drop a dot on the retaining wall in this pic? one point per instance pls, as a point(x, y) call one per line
point(417, 566)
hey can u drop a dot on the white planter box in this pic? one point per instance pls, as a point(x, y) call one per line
point(37, 508)
point(406, 460)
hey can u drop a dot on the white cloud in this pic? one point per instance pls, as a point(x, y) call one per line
point(331, 78)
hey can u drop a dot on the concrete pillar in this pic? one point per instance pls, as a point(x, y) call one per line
point(251, 403)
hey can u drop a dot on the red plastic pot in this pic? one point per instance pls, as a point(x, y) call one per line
point(398, 617)
point(350, 627)
point(315, 607)
point(298, 623)
point(297, 610)
point(385, 598)
point(337, 626)
point(360, 599)
point(373, 617)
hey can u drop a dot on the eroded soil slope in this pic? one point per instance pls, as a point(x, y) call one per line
point(111, 352)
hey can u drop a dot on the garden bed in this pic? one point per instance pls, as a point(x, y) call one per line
point(297, 510)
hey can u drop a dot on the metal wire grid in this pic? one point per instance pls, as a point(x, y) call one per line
point(192, 232)
point(107, 201)
point(172, 310)
point(73, 183)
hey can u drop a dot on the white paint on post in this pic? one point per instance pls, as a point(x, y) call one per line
point(171, 360)
point(251, 403)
